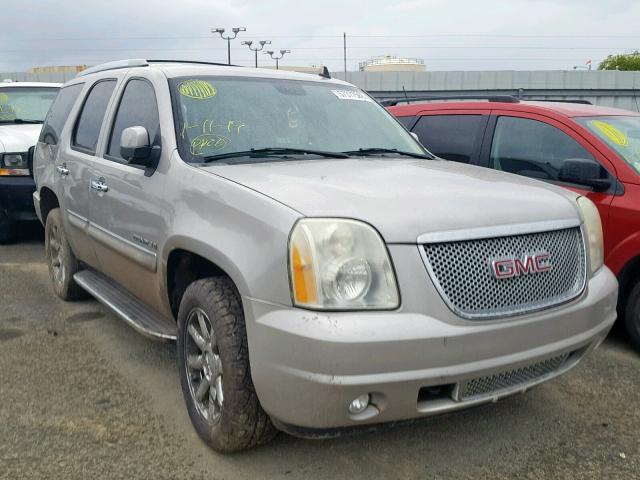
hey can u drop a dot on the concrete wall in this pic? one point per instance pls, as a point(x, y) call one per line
point(608, 88)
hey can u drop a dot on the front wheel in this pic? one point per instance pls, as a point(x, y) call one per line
point(215, 374)
point(632, 315)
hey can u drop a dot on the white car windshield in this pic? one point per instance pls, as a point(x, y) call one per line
point(224, 115)
point(25, 104)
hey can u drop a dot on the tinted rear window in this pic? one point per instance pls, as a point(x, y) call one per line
point(452, 137)
point(89, 123)
point(59, 113)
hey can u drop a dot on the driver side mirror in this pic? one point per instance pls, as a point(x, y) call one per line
point(135, 146)
point(584, 171)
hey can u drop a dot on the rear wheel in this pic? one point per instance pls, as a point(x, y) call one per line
point(61, 261)
point(632, 315)
point(215, 374)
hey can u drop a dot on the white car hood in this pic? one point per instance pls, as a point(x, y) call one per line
point(16, 138)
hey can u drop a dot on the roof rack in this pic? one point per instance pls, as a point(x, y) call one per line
point(132, 62)
point(198, 62)
point(578, 101)
point(491, 98)
point(139, 62)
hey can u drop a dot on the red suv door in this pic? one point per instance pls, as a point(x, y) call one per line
point(535, 146)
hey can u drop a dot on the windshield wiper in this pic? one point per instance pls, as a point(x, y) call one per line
point(382, 151)
point(21, 120)
point(273, 151)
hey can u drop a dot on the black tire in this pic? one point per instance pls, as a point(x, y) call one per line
point(238, 421)
point(61, 261)
point(632, 315)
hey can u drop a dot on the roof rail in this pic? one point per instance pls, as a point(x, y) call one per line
point(140, 62)
point(578, 101)
point(198, 62)
point(132, 62)
point(423, 98)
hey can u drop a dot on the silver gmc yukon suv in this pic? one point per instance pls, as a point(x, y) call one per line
point(319, 269)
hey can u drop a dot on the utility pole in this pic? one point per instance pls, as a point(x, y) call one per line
point(344, 43)
point(256, 50)
point(228, 38)
point(271, 53)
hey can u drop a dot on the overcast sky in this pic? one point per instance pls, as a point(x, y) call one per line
point(447, 34)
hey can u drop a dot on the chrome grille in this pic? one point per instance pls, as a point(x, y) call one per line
point(461, 271)
point(486, 386)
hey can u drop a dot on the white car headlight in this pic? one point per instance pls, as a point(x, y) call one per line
point(593, 230)
point(339, 264)
point(12, 164)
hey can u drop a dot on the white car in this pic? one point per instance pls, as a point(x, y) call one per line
point(23, 108)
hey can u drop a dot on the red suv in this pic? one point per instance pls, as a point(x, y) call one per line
point(592, 150)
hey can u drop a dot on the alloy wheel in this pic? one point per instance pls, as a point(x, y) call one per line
point(204, 366)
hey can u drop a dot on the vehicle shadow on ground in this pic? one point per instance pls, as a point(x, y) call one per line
point(29, 232)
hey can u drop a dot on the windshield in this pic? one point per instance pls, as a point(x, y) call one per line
point(621, 133)
point(223, 115)
point(28, 104)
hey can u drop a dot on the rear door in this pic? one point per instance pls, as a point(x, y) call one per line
point(453, 134)
point(129, 210)
point(535, 146)
point(74, 165)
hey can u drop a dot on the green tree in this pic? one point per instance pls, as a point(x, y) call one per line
point(629, 61)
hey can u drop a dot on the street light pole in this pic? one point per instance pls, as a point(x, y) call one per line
point(271, 53)
point(228, 38)
point(256, 50)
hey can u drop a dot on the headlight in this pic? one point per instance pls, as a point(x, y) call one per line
point(339, 264)
point(14, 164)
point(593, 230)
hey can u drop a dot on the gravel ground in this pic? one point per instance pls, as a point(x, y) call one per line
point(83, 396)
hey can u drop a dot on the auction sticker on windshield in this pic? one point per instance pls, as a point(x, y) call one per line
point(351, 95)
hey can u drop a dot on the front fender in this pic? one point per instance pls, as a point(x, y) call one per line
point(623, 253)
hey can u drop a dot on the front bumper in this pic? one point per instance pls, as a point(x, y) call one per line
point(308, 366)
point(16, 201)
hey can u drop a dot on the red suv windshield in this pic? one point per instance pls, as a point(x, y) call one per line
point(621, 133)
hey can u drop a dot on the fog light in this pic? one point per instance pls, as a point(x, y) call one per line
point(359, 404)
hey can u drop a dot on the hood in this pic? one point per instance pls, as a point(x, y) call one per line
point(405, 198)
point(18, 138)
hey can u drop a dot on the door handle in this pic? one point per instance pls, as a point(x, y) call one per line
point(62, 170)
point(99, 185)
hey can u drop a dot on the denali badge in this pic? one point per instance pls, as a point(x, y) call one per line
point(514, 267)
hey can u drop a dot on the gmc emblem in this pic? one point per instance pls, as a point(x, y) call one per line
point(514, 267)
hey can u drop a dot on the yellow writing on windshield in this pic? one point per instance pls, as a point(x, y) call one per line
point(198, 89)
point(203, 144)
point(611, 132)
point(4, 98)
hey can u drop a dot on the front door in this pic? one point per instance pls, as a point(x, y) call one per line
point(536, 146)
point(128, 208)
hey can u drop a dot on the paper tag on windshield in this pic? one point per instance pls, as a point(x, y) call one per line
point(351, 95)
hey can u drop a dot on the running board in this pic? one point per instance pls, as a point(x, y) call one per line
point(126, 306)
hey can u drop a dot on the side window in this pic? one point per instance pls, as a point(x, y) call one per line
point(407, 121)
point(452, 137)
point(58, 113)
point(87, 130)
point(138, 107)
point(532, 148)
